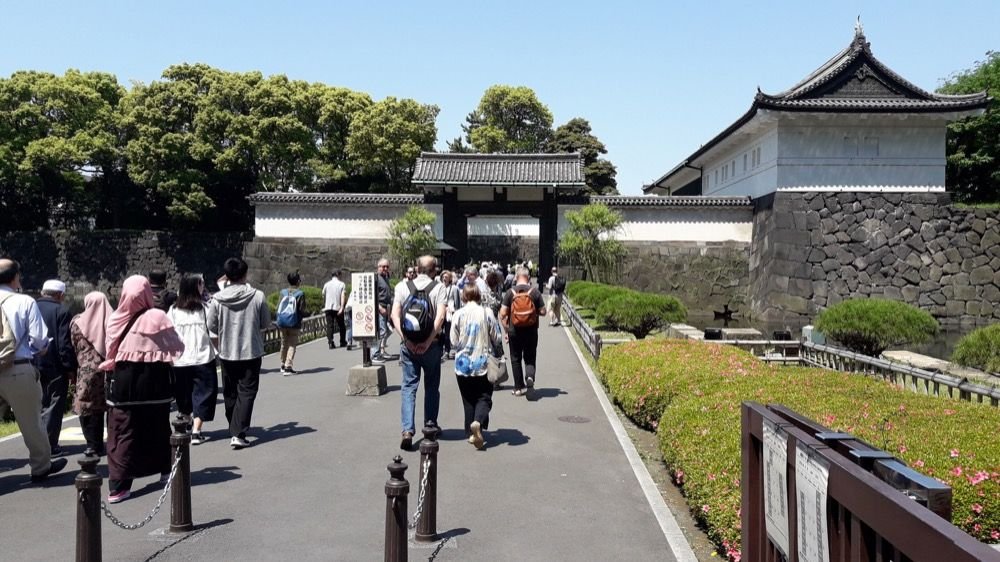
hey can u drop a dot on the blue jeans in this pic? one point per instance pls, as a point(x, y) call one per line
point(430, 363)
point(383, 335)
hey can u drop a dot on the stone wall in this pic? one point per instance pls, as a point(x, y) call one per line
point(812, 250)
point(271, 259)
point(101, 260)
point(504, 249)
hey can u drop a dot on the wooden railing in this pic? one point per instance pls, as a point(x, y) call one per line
point(854, 515)
point(591, 339)
point(312, 327)
point(912, 378)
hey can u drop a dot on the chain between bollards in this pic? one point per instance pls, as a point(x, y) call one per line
point(427, 518)
point(180, 494)
point(396, 491)
point(88, 511)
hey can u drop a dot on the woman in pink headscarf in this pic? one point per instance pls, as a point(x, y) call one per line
point(141, 345)
point(88, 333)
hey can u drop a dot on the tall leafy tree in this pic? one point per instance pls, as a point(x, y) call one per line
point(509, 119)
point(411, 235)
point(591, 241)
point(576, 136)
point(974, 143)
point(387, 137)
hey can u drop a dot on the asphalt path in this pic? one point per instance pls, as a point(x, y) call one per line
point(552, 484)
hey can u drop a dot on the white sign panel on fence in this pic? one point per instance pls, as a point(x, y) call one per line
point(812, 474)
point(776, 485)
point(364, 308)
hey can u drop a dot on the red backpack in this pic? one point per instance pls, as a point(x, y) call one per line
point(523, 313)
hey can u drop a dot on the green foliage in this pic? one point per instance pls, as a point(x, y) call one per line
point(590, 241)
point(509, 119)
point(594, 294)
point(387, 137)
point(980, 349)
point(691, 393)
point(314, 300)
point(576, 136)
point(870, 326)
point(573, 288)
point(973, 145)
point(640, 313)
point(412, 235)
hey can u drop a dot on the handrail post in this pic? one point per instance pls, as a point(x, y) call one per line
point(180, 489)
point(88, 511)
point(427, 524)
point(396, 490)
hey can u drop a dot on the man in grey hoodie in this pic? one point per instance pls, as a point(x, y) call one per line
point(238, 313)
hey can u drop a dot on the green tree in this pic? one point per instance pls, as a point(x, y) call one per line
point(576, 136)
point(509, 119)
point(870, 326)
point(973, 144)
point(412, 235)
point(387, 137)
point(591, 241)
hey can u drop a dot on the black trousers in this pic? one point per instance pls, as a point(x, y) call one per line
point(183, 385)
point(523, 346)
point(477, 399)
point(334, 319)
point(240, 380)
point(445, 336)
point(55, 388)
point(92, 426)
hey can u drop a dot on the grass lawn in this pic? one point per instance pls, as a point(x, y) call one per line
point(991, 206)
point(7, 428)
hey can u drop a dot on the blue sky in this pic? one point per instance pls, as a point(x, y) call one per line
point(655, 79)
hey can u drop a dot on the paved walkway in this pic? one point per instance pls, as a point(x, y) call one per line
point(311, 487)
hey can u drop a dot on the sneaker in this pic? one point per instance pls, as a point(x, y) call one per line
point(406, 443)
point(57, 451)
point(530, 381)
point(283, 371)
point(330, 344)
point(54, 467)
point(477, 435)
point(198, 438)
point(119, 497)
point(378, 359)
point(350, 347)
point(238, 443)
point(290, 371)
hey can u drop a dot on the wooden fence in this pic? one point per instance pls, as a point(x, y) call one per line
point(312, 327)
point(591, 339)
point(817, 495)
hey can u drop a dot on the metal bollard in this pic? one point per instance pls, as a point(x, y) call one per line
point(180, 490)
point(396, 491)
point(427, 524)
point(88, 511)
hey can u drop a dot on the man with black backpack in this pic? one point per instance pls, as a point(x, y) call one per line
point(520, 309)
point(418, 312)
point(557, 286)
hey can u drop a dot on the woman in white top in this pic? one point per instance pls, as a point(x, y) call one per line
point(475, 333)
point(196, 383)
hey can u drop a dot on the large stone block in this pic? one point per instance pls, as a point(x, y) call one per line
point(366, 381)
point(981, 275)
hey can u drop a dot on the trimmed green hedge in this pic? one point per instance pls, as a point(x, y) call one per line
point(691, 393)
point(640, 313)
point(980, 349)
point(314, 300)
point(592, 297)
point(870, 326)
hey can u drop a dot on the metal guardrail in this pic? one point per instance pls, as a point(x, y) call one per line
point(312, 327)
point(591, 339)
point(912, 378)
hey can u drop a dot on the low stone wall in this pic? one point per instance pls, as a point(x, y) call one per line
point(812, 250)
point(101, 260)
point(271, 259)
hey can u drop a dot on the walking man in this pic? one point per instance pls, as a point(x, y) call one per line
point(556, 286)
point(519, 312)
point(23, 336)
point(58, 365)
point(335, 304)
point(237, 314)
point(385, 295)
point(418, 313)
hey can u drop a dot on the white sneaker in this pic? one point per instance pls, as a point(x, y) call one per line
point(238, 443)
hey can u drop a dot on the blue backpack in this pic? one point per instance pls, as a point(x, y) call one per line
point(288, 309)
point(418, 313)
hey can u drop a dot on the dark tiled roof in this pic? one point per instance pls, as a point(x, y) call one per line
point(674, 201)
point(561, 170)
point(336, 198)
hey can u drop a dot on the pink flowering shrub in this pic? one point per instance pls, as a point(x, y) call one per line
point(697, 388)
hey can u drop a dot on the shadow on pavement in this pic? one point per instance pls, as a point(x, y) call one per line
point(539, 393)
point(7, 465)
point(392, 388)
point(214, 475)
point(313, 370)
point(280, 431)
point(510, 437)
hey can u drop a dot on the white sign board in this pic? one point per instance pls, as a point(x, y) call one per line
point(364, 308)
point(811, 476)
point(776, 485)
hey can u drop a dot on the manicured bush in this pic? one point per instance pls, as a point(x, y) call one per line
point(640, 313)
point(592, 297)
point(573, 288)
point(980, 349)
point(696, 388)
point(314, 300)
point(870, 326)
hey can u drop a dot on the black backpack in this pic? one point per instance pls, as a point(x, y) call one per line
point(559, 285)
point(418, 313)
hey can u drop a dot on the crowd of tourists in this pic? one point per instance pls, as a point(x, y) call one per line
point(129, 363)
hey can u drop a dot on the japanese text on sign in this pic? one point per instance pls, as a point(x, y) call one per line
point(811, 476)
point(364, 313)
point(775, 485)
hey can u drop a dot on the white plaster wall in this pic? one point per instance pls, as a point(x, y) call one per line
point(503, 226)
point(671, 224)
point(754, 181)
point(340, 221)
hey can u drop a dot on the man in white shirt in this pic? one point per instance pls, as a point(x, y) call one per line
point(335, 303)
point(419, 352)
point(19, 382)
